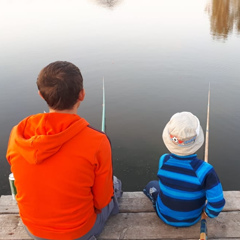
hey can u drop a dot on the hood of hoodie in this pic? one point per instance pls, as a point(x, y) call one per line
point(40, 136)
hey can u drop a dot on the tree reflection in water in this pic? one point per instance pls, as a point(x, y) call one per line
point(108, 3)
point(224, 17)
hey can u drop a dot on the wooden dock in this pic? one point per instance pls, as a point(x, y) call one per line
point(137, 220)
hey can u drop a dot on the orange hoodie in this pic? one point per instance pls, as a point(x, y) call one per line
point(63, 174)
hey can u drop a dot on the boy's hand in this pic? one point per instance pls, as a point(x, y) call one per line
point(204, 215)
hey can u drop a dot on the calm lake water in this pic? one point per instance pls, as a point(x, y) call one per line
point(157, 58)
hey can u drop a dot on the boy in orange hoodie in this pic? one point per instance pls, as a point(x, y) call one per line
point(62, 166)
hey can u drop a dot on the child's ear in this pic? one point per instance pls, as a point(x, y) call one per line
point(40, 94)
point(81, 95)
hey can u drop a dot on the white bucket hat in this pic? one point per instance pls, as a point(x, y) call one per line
point(183, 134)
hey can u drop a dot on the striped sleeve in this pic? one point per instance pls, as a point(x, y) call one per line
point(214, 194)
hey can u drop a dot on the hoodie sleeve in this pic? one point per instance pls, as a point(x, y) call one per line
point(103, 183)
point(214, 194)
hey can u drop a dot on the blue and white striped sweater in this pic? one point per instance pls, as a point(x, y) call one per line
point(185, 184)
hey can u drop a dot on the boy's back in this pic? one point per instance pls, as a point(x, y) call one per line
point(185, 182)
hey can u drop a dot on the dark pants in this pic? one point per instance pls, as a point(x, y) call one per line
point(152, 190)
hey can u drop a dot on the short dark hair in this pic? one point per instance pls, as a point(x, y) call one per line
point(60, 83)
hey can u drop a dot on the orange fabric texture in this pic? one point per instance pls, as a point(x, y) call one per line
point(63, 174)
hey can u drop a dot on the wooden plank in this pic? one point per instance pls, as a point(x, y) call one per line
point(7, 200)
point(140, 226)
point(11, 227)
point(232, 200)
point(135, 202)
point(137, 220)
point(138, 202)
point(130, 202)
point(8, 205)
point(149, 226)
point(9, 209)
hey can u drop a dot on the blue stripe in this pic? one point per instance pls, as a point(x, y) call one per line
point(217, 205)
point(180, 204)
point(215, 209)
point(183, 215)
point(212, 180)
point(211, 213)
point(163, 159)
point(180, 185)
point(176, 169)
point(196, 164)
point(179, 194)
point(178, 176)
point(215, 194)
point(180, 223)
point(179, 163)
point(203, 170)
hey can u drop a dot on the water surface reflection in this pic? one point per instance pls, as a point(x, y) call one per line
point(157, 57)
point(108, 3)
point(224, 17)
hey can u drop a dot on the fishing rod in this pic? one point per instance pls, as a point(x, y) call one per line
point(203, 226)
point(207, 128)
point(103, 109)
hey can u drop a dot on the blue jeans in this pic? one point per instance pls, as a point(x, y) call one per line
point(152, 190)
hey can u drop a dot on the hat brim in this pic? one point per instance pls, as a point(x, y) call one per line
point(182, 150)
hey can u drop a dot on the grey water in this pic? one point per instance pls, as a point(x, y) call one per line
point(157, 58)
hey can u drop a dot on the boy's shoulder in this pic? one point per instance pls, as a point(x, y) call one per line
point(195, 162)
point(163, 159)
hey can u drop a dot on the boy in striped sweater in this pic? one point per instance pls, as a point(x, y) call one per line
point(187, 185)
